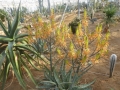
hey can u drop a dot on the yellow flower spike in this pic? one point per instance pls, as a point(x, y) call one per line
point(97, 29)
point(86, 41)
point(97, 56)
point(99, 37)
point(74, 55)
point(103, 42)
point(84, 59)
point(60, 41)
point(40, 21)
point(52, 11)
point(71, 46)
point(107, 35)
point(63, 30)
point(77, 33)
point(100, 28)
point(80, 27)
point(85, 14)
point(58, 51)
point(58, 32)
point(63, 39)
point(78, 53)
point(90, 36)
point(67, 62)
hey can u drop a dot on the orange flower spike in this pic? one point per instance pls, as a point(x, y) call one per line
point(95, 35)
point(90, 36)
point(67, 35)
point(85, 23)
point(105, 48)
point(80, 41)
point(93, 60)
point(98, 47)
point(52, 15)
point(72, 54)
point(86, 51)
point(64, 44)
point(52, 19)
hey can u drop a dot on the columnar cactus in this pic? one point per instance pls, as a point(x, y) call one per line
point(113, 59)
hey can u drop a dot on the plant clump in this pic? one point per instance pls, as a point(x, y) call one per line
point(109, 11)
point(74, 48)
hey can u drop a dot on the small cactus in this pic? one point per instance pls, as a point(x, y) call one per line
point(113, 59)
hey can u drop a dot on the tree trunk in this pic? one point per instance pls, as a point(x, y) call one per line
point(40, 5)
point(49, 8)
point(78, 9)
point(106, 29)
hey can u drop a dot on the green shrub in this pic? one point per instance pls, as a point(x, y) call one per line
point(110, 11)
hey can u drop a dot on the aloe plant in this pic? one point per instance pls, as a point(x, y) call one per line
point(14, 52)
point(39, 45)
point(63, 80)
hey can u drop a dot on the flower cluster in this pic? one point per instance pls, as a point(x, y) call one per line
point(78, 46)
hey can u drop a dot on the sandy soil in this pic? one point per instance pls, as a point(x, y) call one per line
point(100, 71)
